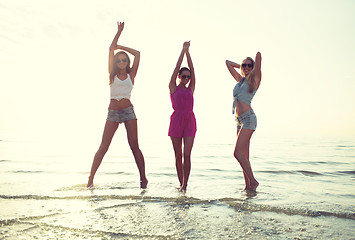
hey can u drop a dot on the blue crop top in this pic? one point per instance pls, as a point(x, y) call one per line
point(241, 93)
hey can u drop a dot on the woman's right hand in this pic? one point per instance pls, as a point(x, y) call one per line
point(120, 26)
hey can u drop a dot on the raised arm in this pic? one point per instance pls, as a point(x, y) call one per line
point(172, 83)
point(191, 66)
point(113, 46)
point(257, 68)
point(231, 67)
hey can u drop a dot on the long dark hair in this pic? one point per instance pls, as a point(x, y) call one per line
point(115, 68)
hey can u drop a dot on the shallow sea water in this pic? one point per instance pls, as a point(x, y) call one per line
point(44, 196)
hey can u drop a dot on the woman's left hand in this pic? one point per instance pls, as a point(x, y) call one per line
point(186, 45)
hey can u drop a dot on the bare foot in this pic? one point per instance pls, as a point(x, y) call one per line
point(182, 190)
point(90, 182)
point(144, 183)
point(254, 186)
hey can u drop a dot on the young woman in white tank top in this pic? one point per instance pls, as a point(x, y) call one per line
point(120, 108)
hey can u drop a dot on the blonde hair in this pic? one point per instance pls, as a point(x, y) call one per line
point(251, 76)
point(115, 70)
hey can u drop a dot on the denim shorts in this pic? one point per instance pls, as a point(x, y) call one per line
point(247, 121)
point(122, 115)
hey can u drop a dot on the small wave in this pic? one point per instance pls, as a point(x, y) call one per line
point(83, 233)
point(347, 172)
point(82, 187)
point(24, 171)
point(345, 146)
point(78, 187)
point(278, 172)
point(244, 206)
point(115, 173)
point(105, 197)
point(216, 170)
point(27, 197)
point(319, 162)
point(309, 173)
point(304, 172)
point(238, 204)
point(7, 222)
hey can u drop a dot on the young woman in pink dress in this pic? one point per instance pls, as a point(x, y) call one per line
point(182, 127)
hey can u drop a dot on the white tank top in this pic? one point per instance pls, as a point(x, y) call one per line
point(121, 88)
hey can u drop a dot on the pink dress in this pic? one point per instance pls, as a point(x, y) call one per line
point(182, 121)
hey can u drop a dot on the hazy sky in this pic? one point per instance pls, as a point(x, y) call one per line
point(53, 57)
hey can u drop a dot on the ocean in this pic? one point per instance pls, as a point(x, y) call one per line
point(306, 191)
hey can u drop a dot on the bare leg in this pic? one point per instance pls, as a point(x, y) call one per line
point(247, 181)
point(240, 152)
point(109, 132)
point(188, 144)
point(177, 145)
point(132, 136)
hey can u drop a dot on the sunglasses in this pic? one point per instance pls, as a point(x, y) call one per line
point(250, 65)
point(123, 60)
point(185, 77)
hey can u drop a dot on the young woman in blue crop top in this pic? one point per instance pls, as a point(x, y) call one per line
point(120, 109)
point(248, 83)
